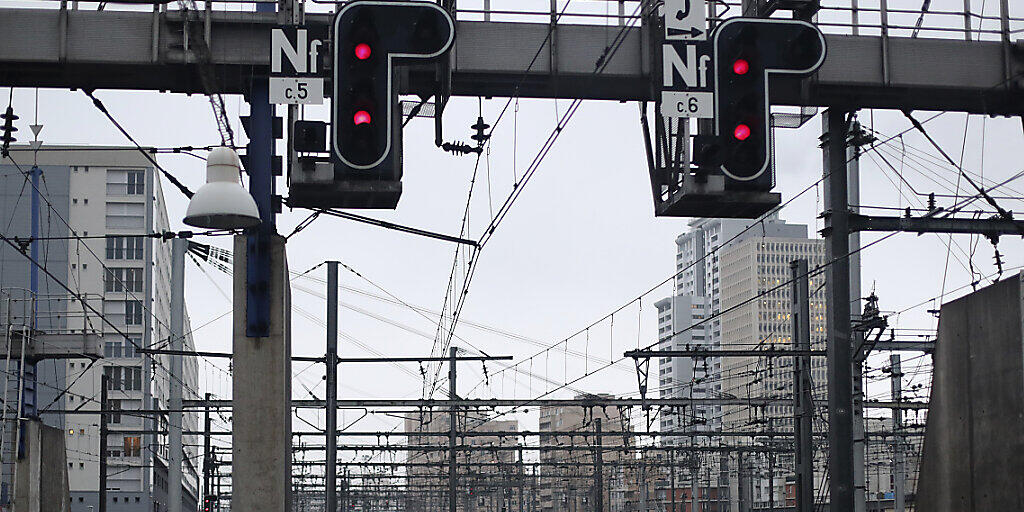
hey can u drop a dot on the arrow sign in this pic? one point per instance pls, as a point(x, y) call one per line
point(693, 33)
point(686, 20)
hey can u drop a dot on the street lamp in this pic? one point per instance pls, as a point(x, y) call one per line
point(222, 203)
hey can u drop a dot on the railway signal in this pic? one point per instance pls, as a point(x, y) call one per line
point(747, 53)
point(370, 37)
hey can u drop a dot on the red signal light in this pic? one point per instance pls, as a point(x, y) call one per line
point(363, 51)
point(742, 132)
point(741, 67)
point(361, 117)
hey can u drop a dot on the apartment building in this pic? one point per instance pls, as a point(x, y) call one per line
point(94, 203)
point(566, 478)
point(489, 480)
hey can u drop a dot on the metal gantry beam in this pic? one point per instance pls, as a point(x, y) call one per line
point(900, 346)
point(320, 359)
point(729, 352)
point(544, 448)
point(544, 402)
point(194, 405)
point(137, 50)
point(567, 434)
point(995, 226)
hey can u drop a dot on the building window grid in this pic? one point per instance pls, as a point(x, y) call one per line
point(118, 279)
point(125, 248)
point(126, 182)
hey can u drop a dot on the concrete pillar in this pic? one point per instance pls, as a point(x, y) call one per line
point(261, 393)
point(42, 484)
point(179, 246)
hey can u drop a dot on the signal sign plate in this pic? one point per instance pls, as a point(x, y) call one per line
point(295, 90)
point(686, 20)
point(296, 64)
point(687, 80)
point(688, 104)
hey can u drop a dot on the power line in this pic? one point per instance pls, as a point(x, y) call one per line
point(503, 210)
point(102, 108)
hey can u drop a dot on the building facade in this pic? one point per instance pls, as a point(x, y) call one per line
point(95, 205)
point(487, 480)
point(756, 301)
point(691, 316)
point(566, 476)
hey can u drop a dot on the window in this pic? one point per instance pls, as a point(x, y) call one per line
point(132, 379)
point(125, 182)
point(136, 182)
point(124, 248)
point(133, 312)
point(123, 279)
point(132, 446)
point(129, 346)
point(114, 405)
point(125, 215)
point(114, 380)
point(123, 378)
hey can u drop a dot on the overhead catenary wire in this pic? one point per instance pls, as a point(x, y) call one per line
point(503, 210)
point(170, 177)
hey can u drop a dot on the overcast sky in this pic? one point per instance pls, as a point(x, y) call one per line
point(580, 241)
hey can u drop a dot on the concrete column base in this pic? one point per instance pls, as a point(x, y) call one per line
point(261, 394)
point(42, 482)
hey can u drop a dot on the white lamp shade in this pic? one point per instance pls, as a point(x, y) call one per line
point(222, 203)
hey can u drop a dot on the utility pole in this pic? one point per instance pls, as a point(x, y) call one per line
point(29, 398)
point(331, 471)
point(694, 484)
point(217, 477)
point(207, 456)
point(178, 248)
point(672, 477)
point(452, 395)
point(803, 400)
point(261, 341)
point(857, 138)
point(898, 477)
point(771, 465)
point(522, 476)
point(104, 382)
point(643, 481)
point(840, 364)
point(598, 469)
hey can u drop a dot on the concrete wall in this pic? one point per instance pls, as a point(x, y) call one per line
point(974, 445)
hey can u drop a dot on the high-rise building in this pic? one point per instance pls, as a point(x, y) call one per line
point(756, 301)
point(691, 316)
point(95, 205)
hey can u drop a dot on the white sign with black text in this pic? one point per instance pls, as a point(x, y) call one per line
point(296, 90)
point(296, 76)
point(688, 104)
point(686, 20)
point(687, 81)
